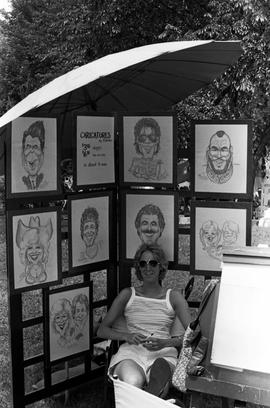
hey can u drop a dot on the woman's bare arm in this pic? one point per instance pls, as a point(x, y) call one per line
point(181, 308)
point(116, 310)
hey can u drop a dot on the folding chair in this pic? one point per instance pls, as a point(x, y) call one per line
point(177, 330)
point(128, 396)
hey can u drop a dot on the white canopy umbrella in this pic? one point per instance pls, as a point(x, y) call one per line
point(141, 79)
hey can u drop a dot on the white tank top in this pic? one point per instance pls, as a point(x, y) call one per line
point(146, 315)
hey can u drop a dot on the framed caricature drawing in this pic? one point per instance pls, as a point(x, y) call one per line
point(217, 226)
point(69, 314)
point(94, 151)
point(222, 159)
point(148, 217)
point(34, 248)
point(33, 169)
point(89, 230)
point(148, 150)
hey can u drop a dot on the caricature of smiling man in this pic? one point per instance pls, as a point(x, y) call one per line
point(89, 230)
point(149, 223)
point(33, 144)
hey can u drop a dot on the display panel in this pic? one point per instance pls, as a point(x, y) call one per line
point(33, 169)
point(222, 159)
point(148, 150)
point(89, 230)
point(94, 147)
point(69, 319)
point(34, 250)
point(216, 226)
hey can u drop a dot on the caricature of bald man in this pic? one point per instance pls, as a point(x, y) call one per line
point(219, 157)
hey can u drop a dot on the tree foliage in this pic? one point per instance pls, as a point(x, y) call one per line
point(243, 91)
point(41, 39)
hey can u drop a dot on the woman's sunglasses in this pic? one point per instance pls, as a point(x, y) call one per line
point(153, 263)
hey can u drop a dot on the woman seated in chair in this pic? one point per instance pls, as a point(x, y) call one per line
point(148, 355)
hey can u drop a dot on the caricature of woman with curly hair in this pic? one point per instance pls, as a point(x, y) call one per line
point(80, 313)
point(61, 322)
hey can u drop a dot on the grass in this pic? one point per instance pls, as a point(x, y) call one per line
point(5, 361)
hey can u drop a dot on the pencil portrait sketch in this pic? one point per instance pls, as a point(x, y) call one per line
point(150, 220)
point(61, 322)
point(89, 227)
point(147, 145)
point(69, 322)
point(215, 238)
point(216, 228)
point(33, 241)
point(33, 155)
point(90, 230)
point(33, 144)
point(210, 237)
point(230, 233)
point(221, 158)
point(80, 315)
point(35, 249)
point(149, 223)
point(148, 149)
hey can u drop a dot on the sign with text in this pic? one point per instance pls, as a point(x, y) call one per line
point(95, 150)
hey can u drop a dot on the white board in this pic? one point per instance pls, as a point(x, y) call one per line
point(242, 329)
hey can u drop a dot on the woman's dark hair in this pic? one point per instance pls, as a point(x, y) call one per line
point(35, 130)
point(89, 214)
point(158, 254)
point(150, 209)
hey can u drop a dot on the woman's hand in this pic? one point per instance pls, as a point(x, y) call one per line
point(135, 338)
point(155, 344)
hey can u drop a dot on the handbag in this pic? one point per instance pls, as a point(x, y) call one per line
point(194, 346)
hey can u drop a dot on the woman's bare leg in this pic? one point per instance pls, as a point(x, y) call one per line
point(130, 372)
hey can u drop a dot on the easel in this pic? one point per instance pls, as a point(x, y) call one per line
point(240, 386)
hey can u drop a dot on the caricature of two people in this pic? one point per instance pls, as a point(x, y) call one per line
point(214, 239)
point(69, 319)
